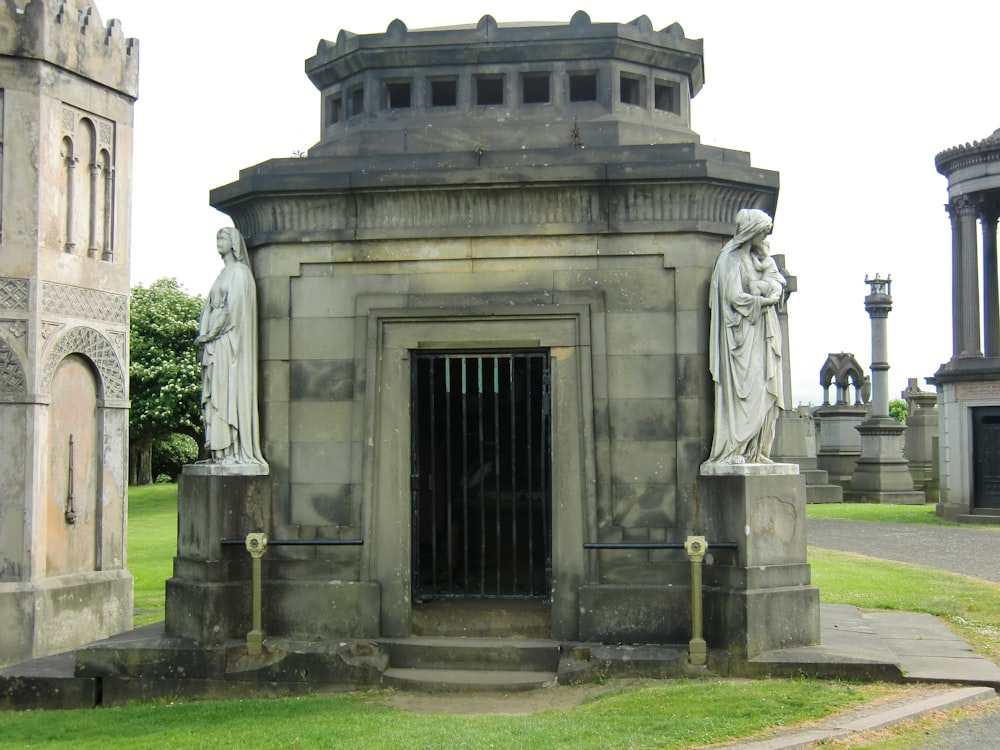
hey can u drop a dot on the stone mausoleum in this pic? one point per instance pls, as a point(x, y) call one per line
point(969, 383)
point(67, 85)
point(483, 342)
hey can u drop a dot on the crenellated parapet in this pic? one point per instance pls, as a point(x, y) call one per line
point(71, 35)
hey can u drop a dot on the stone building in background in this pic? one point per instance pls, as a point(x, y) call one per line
point(67, 87)
point(483, 303)
point(969, 383)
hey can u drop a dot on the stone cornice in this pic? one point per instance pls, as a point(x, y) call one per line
point(978, 152)
point(279, 205)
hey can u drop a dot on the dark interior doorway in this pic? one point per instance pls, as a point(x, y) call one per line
point(481, 474)
point(986, 453)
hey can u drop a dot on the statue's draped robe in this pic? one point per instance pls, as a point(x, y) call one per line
point(229, 362)
point(744, 359)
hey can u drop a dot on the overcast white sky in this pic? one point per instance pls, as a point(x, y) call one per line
point(849, 101)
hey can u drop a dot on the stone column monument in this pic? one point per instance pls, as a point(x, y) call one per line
point(881, 474)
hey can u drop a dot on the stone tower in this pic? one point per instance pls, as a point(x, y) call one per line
point(68, 83)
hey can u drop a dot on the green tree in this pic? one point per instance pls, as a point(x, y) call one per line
point(898, 410)
point(164, 374)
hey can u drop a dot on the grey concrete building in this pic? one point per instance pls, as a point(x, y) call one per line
point(483, 345)
point(67, 85)
point(969, 383)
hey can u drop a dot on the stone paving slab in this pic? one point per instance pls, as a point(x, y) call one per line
point(869, 718)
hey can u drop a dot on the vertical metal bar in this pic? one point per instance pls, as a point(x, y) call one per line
point(482, 482)
point(513, 476)
point(529, 474)
point(465, 477)
point(546, 468)
point(496, 464)
point(448, 470)
point(415, 476)
point(431, 367)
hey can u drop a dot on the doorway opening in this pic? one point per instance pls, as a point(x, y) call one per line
point(481, 475)
point(986, 456)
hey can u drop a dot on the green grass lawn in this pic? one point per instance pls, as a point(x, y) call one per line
point(877, 512)
point(674, 714)
point(152, 544)
point(670, 714)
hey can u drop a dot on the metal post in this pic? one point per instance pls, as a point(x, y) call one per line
point(256, 543)
point(697, 650)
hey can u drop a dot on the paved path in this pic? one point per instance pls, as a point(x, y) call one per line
point(972, 551)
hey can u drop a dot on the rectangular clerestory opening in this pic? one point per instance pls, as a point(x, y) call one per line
point(334, 109)
point(397, 95)
point(583, 87)
point(444, 92)
point(535, 88)
point(666, 97)
point(630, 90)
point(489, 90)
point(357, 100)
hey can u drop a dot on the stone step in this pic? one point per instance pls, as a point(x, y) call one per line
point(483, 618)
point(47, 682)
point(815, 476)
point(824, 493)
point(456, 680)
point(473, 654)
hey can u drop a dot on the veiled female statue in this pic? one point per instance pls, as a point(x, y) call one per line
point(227, 350)
point(745, 344)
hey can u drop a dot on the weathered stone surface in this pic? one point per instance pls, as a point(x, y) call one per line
point(66, 95)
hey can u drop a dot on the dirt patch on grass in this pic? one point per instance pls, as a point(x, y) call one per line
point(554, 698)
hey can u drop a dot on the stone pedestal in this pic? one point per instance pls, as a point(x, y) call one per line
point(881, 474)
point(758, 597)
point(208, 598)
point(839, 443)
point(921, 447)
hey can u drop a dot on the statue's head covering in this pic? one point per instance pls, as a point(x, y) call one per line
point(749, 223)
point(238, 244)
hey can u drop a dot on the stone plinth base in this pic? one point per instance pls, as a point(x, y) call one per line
point(57, 614)
point(881, 474)
point(620, 613)
point(208, 598)
point(758, 597)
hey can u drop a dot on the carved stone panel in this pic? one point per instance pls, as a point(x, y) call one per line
point(14, 294)
point(12, 380)
point(95, 347)
point(90, 304)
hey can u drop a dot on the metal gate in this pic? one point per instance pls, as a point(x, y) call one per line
point(481, 474)
point(986, 452)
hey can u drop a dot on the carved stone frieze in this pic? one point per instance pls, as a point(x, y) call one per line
point(12, 380)
point(90, 304)
point(97, 349)
point(494, 210)
point(14, 294)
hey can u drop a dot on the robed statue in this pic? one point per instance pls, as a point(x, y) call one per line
point(745, 344)
point(227, 350)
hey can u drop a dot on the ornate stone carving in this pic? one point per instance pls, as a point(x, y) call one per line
point(68, 120)
point(105, 133)
point(48, 328)
point(12, 380)
point(14, 294)
point(97, 349)
point(90, 304)
point(17, 328)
